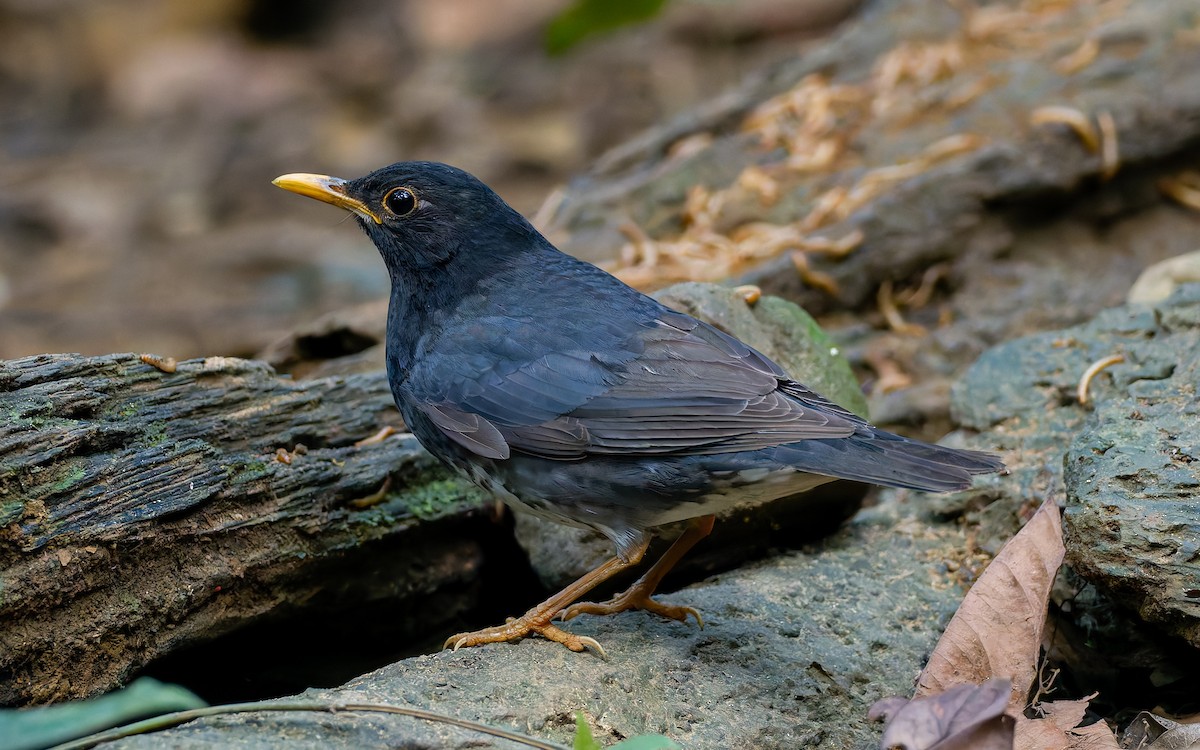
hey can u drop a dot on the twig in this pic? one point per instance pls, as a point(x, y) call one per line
point(1083, 56)
point(1092, 371)
point(1072, 118)
point(1183, 188)
point(1110, 154)
point(1044, 684)
point(180, 717)
point(920, 296)
point(887, 306)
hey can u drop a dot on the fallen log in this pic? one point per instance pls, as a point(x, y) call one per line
point(141, 510)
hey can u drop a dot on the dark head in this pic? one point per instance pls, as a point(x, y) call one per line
point(428, 220)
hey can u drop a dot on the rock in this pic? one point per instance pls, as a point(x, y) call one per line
point(932, 140)
point(1125, 462)
point(793, 652)
point(790, 336)
point(1132, 476)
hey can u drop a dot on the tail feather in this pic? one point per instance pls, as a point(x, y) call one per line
point(890, 460)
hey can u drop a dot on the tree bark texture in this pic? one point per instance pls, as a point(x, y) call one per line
point(142, 510)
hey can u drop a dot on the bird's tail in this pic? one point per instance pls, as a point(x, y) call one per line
point(879, 457)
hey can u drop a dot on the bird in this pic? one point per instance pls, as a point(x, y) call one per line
point(568, 394)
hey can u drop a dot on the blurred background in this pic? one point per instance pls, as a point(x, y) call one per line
point(138, 141)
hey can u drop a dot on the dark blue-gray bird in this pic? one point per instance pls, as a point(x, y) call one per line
point(567, 394)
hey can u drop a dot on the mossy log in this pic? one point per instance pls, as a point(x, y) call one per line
point(143, 510)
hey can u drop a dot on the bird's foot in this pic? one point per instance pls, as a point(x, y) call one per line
point(517, 628)
point(636, 596)
point(539, 619)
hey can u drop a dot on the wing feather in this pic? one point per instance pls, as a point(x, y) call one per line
point(473, 432)
point(678, 386)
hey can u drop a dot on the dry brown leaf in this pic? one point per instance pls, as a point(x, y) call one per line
point(1152, 732)
point(997, 630)
point(1059, 729)
point(1035, 734)
point(1064, 714)
point(965, 717)
point(1094, 737)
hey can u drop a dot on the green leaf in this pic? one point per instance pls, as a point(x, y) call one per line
point(585, 741)
point(587, 17)
point(583, 735)
point(36, 728)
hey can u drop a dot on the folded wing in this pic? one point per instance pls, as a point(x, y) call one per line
point(677, 387)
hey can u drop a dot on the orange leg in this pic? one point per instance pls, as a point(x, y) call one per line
point(637, 596)
point(538, 619)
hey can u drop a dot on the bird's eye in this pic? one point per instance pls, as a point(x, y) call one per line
point(401, 201)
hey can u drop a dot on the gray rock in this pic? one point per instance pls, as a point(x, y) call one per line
point(1132, 478)
point(935, 214)
point(1125, 463)
point(793, 652)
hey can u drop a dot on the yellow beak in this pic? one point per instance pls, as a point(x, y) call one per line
point(326, 189)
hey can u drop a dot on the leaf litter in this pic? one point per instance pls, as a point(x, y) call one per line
point(975, 690)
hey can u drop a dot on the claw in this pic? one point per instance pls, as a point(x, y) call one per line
point(517, 628)
point(593, 644)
